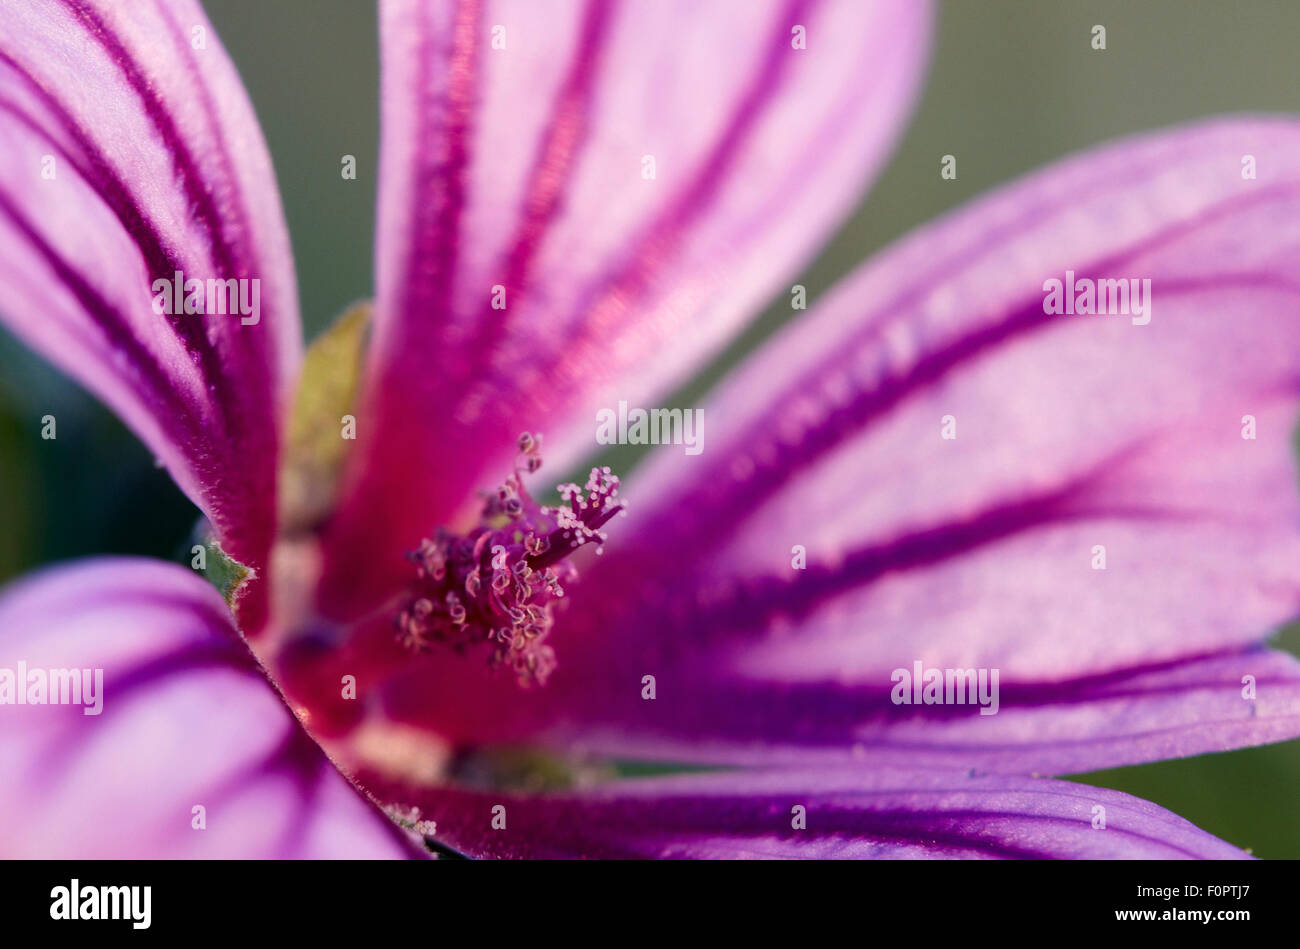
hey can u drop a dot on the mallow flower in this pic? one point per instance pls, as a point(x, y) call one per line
point(394, 637)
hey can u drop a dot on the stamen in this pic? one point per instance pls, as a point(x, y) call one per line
point(494, 587)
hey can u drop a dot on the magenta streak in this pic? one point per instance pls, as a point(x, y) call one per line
point(557, 159)
point(148, 380)
point(202, 200)
point(652, 251)
point(716, 498)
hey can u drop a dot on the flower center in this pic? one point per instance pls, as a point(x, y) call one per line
point(494, 588)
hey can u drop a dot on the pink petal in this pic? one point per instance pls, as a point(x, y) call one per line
point(522, 168)
point(863, 813)
point(1131, 716)
point(158, 166)
point(975, 552)
point(186, 719)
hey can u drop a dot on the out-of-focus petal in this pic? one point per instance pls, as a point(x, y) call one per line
point(129, 151)
point(1073, 433)
point(186, 720)
point(1188, 707)
point(515, 136)
point(846, 813)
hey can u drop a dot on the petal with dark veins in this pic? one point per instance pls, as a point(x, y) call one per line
point(129, 151)
point(186, 720)
point(514, 138)
point(846, 814)
point(1074, 433)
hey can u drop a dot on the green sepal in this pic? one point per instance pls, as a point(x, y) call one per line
point(315, 447)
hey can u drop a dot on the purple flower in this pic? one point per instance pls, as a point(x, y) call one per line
point(579, 205)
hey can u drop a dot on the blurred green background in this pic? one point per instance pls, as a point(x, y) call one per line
point(1013, 84)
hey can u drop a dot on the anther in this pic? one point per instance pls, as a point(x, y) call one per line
point(494, 587)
